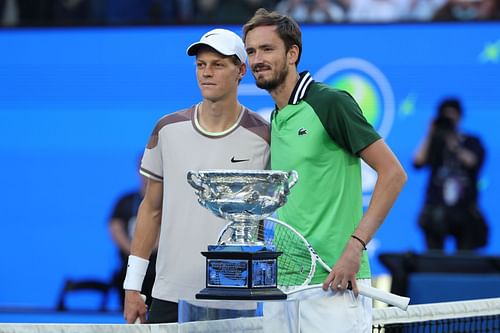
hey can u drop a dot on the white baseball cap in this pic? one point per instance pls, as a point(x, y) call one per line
point(223, 41)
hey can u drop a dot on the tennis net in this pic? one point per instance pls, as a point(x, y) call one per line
point(460, 316)
point(450, 317)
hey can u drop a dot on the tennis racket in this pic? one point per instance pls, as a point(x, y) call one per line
point(298, 261)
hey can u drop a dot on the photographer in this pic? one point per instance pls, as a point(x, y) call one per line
point(454, 158)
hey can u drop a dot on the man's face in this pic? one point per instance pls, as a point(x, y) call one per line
point(452, 114)
point(267, 57)
point(217, 75)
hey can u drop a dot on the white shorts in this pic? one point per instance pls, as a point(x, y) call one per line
point(321, 311)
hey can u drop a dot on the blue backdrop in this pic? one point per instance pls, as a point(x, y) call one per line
point(77, 107)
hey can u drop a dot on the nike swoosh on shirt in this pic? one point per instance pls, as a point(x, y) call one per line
point(235, 160)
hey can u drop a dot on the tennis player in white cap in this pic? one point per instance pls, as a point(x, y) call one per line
point(216, 133)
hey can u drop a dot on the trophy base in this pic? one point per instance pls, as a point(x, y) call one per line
point(241, 294)
point(241, 273)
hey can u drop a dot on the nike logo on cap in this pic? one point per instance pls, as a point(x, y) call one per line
point(235, 160)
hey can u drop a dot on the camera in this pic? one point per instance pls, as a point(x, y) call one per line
point(444, 124)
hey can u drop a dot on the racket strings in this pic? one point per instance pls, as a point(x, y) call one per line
point(295, 265)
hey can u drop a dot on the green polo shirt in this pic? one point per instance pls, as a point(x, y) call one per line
point(319, 134)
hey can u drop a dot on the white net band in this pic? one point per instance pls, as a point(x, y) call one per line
point(381, 317)
point(437, 311)
point(246, 325)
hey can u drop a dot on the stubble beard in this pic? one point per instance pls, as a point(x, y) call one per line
point(273, 83)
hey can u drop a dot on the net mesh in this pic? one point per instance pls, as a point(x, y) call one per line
point(449, 317)
point(463, 316)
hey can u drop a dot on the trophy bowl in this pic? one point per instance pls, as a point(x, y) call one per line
point(242, 195)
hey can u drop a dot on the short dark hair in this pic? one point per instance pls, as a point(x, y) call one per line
point(286, 27)
point(451, 102)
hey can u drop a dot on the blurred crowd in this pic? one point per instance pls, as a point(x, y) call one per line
point(150, 12)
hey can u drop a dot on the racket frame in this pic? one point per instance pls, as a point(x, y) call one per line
point(368, 291)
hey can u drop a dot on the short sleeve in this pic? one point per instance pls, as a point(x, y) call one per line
point(344, 121)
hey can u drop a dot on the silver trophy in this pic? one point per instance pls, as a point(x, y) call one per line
point(242, 267)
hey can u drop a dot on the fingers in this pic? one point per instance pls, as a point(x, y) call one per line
point(342, 285)
point(135, 317)
point(345, 270)
point(329, 281)
point(141, 319)
point(353, 285)
point(336, 283)
point(135, 308)
point(130, 317)
point(326, 282)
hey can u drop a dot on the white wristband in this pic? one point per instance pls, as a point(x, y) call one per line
point(136, 271)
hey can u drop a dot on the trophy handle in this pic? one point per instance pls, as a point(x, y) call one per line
point(293, 177)
point(194, 180)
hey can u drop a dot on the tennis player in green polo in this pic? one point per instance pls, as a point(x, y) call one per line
point(322, 134)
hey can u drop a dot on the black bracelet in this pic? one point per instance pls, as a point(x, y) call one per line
point(359, 240)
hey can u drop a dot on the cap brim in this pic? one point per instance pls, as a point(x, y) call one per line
point(193, 49)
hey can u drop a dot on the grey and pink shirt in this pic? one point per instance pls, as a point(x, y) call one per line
point(177, 145)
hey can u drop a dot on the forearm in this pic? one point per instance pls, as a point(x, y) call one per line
point(144, 239)
point(390, 180)
point(145, 235)
point(146, 231)
point(387, 188)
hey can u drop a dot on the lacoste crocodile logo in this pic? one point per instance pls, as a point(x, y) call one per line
point(302, 131)
point(235, 160)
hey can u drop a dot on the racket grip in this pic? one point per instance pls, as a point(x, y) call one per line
point(384, 296)
point(138, 320)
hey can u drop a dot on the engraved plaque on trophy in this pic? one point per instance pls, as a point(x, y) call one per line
point(240, 266)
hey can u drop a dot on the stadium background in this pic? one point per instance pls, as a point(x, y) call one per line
point(77, 107)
